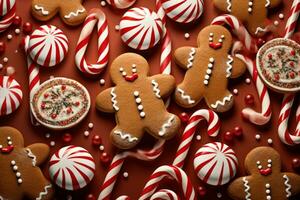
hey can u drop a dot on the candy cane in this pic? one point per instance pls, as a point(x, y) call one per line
point(169, 171)
point(189, 132)
point(263, 117)
point(121, 4)
point(288, 100)
point(95, 16)
point(241, 32)
point(8, 19)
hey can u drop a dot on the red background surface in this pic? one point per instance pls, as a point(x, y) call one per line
point(139, 171)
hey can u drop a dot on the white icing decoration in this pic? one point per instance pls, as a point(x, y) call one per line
point(229, 5)
point(222, 103)
point(185, 97)
point(268, 3)
point(45, 192)
point(156, 89)
point(247, 189)
point(113, 99)
point(79, 11)
point(126, 136)
point(167, 125)
point(229, 66)
point(288, 186)
point(42, 9)
point(191, 58)
point(32, 156)
point(259, 29)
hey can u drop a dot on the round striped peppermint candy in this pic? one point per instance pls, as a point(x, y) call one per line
point(215, 163)
point(6, 6)
point(10, 95)
point(48, 46)
point(72, 167)
point(183, 11)
point(141, 28)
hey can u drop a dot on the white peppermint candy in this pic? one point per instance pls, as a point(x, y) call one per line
point(183, 11)
point(141, 28)
point(48, 46)
point(10, 95)
point(72, 167)
point(215, 163)
point(6, 6)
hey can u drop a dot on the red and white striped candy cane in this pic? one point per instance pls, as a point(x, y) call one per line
point(214, 125)
point(121, 4)
point(169, 171)
point(8, 19)
point(288, 100)
point(239, 29)
point(95, 16)
point(263, 117)
point(117, 163)
point(162, 194)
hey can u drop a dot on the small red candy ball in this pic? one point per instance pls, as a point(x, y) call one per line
point(17, 21)
point(249, 99)
point(2, 48)
point(228, 136)
point(296, 163)
point(90, 197)
point(96, 140)
point(202, 191)
point(27, 28)
point(105, 158)
point(67, 138)
point(184, 117)
point(238, 131)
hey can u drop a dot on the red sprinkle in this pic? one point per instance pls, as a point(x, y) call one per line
point(293, 52)
point(43, 106)
point(96, 140)
point(184, 117)
point(53, 116)
point(63, 87)
point(249, 99)
point(69, 110)
point(292, 75)
point(67, 138)
point(46, 95)
point(77, 103)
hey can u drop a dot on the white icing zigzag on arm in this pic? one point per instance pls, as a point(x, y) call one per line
point(222, 103)
point(191, 58)
point(229, 5)
point(229, 66)
point(126, 136)
point(32, 156)
point(268, 3)
point(247, 189)
point(42, 9)
point(45, 192)
point(156, 89)
point(288, 186)
point(260, 29)
point(185, 97)
point(79, 11)
point(167, 125)
point(113, 99)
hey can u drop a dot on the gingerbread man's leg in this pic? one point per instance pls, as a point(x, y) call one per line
point(72, 12)
point(220, 100)
point(187, 93)
point(40, 189)
point(44, 10)
point(126, 137)
point(165, 126)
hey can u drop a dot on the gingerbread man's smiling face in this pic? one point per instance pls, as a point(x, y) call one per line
point(128, 69)
point(9, 141)
point(263, 164)
point(217, 38)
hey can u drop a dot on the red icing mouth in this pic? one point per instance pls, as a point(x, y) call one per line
point(215, 45)
point(7, 149)
point(132, 77)
point(265, 172)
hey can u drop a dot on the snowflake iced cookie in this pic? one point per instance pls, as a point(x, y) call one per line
point(137, 101)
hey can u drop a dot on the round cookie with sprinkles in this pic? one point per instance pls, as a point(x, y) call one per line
point(60, 103)
point(278, 64)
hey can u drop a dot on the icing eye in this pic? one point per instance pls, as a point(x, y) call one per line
point(124, 73)
point(211, 34)
point(222, 36)
point(121, 69)
point(134, 70)
point(220, 40)
point(269, 161)
point(9, 142)
point(1, 146)
point(134, 66)
point(210, 39)
point(8, 138)
point(211, 60)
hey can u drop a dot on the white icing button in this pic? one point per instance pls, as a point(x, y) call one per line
point(211, 60)
point(210, 65)
point(91, 125)
point(20, 181)
point(187, 35)
point(269, 197)
point(140, 107)
point(15, 168)
point(18, 174)
point(125, 174)
point(205, 82)
point(86, 133)
point(136, 93)
point(268, 191)
point(208, 71)
point(268, 185)
point(138, 100)
point(250, 10)
point(250, 3)
point(269, 165)
point(207, 77)
point(13, 162)
point(142, 114)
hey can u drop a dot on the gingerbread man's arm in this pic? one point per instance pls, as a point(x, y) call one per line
point(38, 152)
point(184, 57)
point(237, 190)
point(222, 5)
point(238, 67)
point(106, 100)
point(294, 182)
point(163, 84)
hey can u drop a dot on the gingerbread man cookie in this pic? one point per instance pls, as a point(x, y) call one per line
point(20, 175)
point(266, 181)
point(137, 101)
point(71, 12)
point(209, 67)
point(253, 13)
